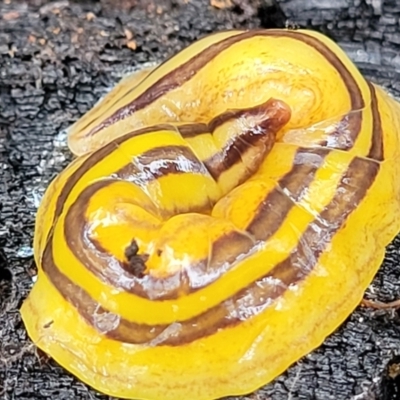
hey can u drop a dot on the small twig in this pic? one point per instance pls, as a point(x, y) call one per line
point(378, 305)
point(294, 383)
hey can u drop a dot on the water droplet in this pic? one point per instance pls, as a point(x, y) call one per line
point(105, 322)
point(25, 252)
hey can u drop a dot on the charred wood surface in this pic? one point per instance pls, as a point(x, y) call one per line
point(58, 58)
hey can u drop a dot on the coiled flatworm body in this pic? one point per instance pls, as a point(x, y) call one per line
point(225, 214)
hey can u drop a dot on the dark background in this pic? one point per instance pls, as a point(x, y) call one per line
point(58, 58)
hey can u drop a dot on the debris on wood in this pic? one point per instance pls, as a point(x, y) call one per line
point(221, 4)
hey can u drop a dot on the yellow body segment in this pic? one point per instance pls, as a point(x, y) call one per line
point(223, 210)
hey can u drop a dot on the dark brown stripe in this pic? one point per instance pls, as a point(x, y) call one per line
point(274, 109)
point(258, 138)
point(191, 130)
point(185, 72)
point(376, 151)
point(290, 189)
point(350, 192)
point(267, 220)
point(120, 329)
point(260, 294)
point(345, 135)
point(97, 156)
point(224, 253)
point(161, 161)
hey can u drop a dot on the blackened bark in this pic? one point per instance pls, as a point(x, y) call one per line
point(58, 58)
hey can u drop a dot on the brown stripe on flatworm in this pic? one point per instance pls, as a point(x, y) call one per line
point(274, 111)
point(244, 304)
point(267, 220)
point(96, 157)
point(376, 150)
point(126, 331)
point(350, 192)
point(186, 71)
point(272, 116)
point(290, 189)
point(89, 252)
point(159, 162)
point(191, 130)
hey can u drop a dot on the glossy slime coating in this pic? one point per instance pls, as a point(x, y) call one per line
point(225, 215)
